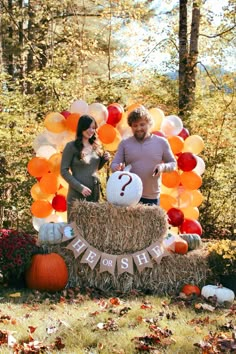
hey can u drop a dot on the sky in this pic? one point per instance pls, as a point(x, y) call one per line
point(145, 46)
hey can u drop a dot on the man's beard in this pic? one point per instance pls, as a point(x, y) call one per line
point(140, 136)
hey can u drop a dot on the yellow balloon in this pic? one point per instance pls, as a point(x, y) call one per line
point(166, 190)
point(190, 213)
point(63, 216)
point(158, 116)
point(194, 144)
point(63, 182)
point(37, 194)
point(62, 191)
point(55, 122)
point(133, 106)
point(55, 163)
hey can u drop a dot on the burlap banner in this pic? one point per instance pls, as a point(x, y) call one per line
point(108, 262)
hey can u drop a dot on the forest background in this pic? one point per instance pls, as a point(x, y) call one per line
point(175, 55)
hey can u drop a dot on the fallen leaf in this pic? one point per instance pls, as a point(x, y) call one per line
point(15, 295)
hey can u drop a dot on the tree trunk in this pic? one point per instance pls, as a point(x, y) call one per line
point(183, 54)
point(188, 58)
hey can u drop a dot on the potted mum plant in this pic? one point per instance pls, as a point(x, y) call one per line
point(16, 251)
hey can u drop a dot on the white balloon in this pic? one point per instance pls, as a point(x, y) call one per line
point(99, 112)
point(46, 151)
point(41, 139)
point(55, 138)
point(200, 167)
point(37, 222)
point(79, 106)
point(53, 218)
point(171, 125)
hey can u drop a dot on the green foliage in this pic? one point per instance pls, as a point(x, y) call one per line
point(212, 119)
point(222, 257)
point(72, 51)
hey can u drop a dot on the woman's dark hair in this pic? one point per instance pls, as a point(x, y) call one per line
point(84, 123)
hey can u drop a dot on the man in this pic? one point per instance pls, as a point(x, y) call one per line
point(148, 154)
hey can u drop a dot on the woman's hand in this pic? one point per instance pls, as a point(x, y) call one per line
point(119, 167)
point(106, 155)
point(86, 192)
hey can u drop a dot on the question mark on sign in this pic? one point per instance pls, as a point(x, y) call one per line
point(126, 184)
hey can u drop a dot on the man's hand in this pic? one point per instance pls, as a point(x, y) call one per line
point(157, 171)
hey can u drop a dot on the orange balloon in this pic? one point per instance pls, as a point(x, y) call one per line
point(167, 201)
point(49, 183)
point(107, 133)
point(191, 180)
point(114, 145)
point(37, 194)
point(55, 163)
point(55, 122)
point(197, 198)
point(72, 122)
point(190, 213)
point(38, 166)
point(171, 179)
point(41, 208)
point(176, 143)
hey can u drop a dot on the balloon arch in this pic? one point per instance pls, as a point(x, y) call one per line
point(180, 194)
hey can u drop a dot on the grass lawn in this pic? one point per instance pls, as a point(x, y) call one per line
point(73, 322)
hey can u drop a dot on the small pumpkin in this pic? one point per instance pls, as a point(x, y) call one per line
point(190, 289)
point(194, 241)
point(222, 294)
point(175, 244)
point(51, 233)
point(47, 272)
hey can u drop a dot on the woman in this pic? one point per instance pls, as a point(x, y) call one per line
point(81, 159)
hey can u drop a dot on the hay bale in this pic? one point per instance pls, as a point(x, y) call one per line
point(119, 230)
point(165, 278)
point(126, 230)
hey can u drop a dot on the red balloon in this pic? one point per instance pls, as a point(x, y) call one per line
point(190, 226)
point(184, 133)
point(175, 217)
point(65, 114)
point(187, 161)
point(59, 203)
point(158, 133)
point(114, 115)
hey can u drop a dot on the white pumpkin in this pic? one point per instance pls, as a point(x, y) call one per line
point(51, 233)
point(124, 188)
point(222, 294)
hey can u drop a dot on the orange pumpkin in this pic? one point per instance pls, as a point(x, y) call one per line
point(181, 247)
point(190, 289)
point(47, 272)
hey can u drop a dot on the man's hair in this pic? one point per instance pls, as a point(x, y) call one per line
point(139, 113)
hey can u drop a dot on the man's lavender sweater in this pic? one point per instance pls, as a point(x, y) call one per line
point(143, 156)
